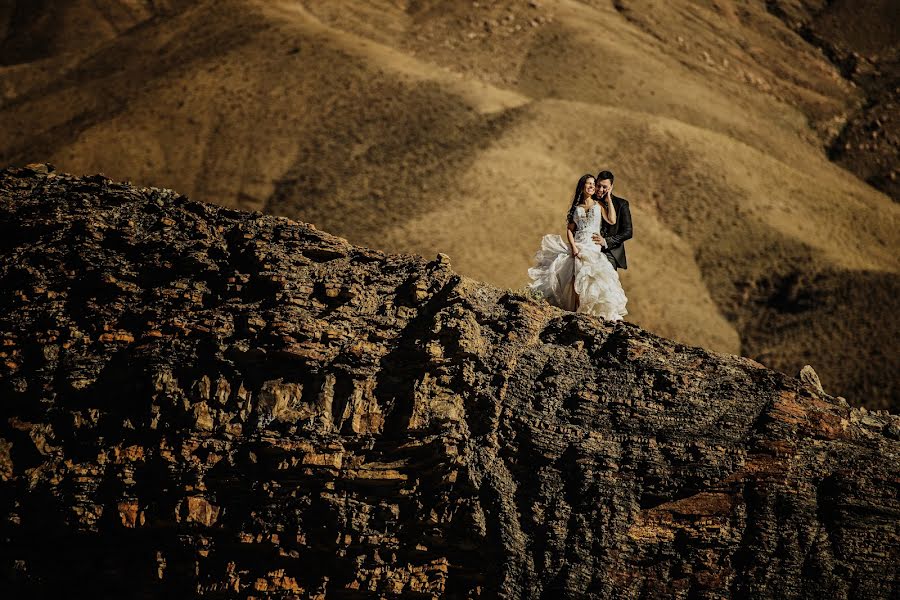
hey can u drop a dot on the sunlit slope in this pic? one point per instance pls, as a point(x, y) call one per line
point(272, 111)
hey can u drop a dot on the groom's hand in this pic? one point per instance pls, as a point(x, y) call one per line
point(598, 239)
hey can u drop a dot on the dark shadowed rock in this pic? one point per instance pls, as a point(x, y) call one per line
point(205, 402)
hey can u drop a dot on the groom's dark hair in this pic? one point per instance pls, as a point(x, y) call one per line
point(606, 175)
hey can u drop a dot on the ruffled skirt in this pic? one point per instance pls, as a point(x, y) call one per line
point(597, 285)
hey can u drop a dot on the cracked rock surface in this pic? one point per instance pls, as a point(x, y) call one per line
point(199, 401)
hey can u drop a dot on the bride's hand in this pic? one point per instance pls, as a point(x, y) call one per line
point(575, 252)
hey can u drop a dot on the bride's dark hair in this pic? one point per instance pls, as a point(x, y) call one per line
point(579, 196)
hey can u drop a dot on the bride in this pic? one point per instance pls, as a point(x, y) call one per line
point(577, 276)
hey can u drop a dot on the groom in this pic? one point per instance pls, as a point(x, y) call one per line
point(612, 237)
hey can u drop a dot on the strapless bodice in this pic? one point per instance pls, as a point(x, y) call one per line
point(587, 222)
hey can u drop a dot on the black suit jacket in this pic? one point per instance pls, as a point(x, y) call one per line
point(615, 235)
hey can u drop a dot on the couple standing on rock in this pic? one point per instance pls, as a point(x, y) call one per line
point(580, 273)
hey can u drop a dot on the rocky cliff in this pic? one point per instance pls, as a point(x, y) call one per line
point(198, 401)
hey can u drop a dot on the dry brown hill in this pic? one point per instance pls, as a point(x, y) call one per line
point(863, 40)
point(462, 127)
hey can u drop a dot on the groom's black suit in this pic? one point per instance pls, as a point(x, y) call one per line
point(615, 235)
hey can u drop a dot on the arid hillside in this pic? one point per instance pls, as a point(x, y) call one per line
point(863, 40)
point(461, 127)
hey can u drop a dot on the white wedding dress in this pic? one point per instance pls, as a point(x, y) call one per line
point(596, 280)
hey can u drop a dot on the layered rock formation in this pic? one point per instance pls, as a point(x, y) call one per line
point(198, 401)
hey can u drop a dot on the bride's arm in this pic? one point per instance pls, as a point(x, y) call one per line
point(570, 233)
point(625, 228)
point(610, 209)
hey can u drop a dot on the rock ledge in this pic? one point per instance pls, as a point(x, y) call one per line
point(204, 402)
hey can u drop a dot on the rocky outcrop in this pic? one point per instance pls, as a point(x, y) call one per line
point(198, 401)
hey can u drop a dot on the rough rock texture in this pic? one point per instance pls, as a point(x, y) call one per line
point(200, 401)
